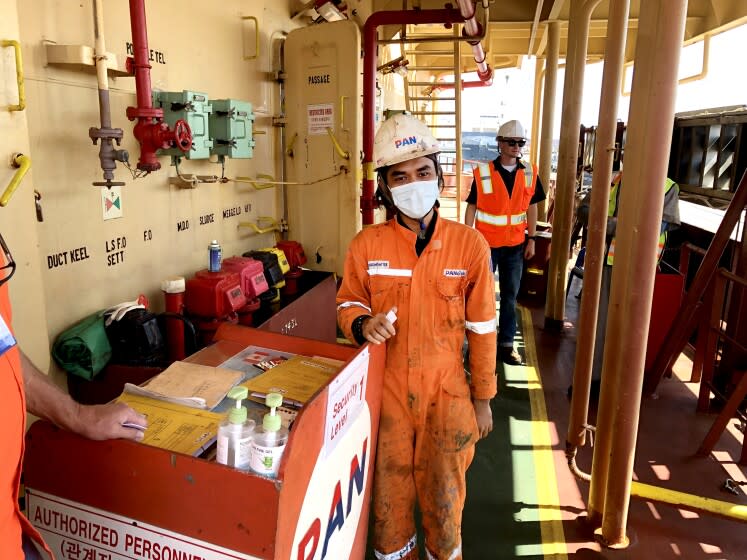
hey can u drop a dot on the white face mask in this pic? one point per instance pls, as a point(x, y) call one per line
point(416, 199)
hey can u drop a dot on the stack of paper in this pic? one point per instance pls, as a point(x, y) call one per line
point(188, 384)
point(296, 378)
point(175, 427)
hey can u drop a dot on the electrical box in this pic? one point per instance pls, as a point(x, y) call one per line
point(194, 108)
point(231, 128)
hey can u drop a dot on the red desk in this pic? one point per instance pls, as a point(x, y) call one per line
point(127, 500)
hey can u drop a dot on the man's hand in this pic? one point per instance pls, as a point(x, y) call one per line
point(484, 417)
point(105, 421)
point(378, 329)
point(529, 249)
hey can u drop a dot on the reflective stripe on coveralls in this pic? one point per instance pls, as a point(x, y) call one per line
point(427, 429)
point(612, 212)
point(354, 304)
point(402, 553)
point(500, 218)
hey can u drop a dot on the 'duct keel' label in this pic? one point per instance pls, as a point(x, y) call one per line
point(68, 257)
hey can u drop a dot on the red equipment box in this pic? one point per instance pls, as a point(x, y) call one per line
point(253, 281)
point(214, 294)
point(293, 253)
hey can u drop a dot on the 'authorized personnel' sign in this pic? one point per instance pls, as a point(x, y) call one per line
point(347, 395)
point(78, 532)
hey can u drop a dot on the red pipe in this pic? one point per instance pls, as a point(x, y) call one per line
point(150, 130)
point(370, 57)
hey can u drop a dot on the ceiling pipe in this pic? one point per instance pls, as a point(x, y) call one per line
point(151, 131)
point(472, 28)
point(370, 59)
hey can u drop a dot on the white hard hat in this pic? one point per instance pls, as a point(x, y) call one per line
point(511, 129)
point(401, 138)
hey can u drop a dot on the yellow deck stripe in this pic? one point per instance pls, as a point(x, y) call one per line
point(551, 526)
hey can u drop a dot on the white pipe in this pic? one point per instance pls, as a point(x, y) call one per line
point(472, 29)
point(100, 48)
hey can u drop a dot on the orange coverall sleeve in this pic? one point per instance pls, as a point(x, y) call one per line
point(481, 325)
point(353, 298)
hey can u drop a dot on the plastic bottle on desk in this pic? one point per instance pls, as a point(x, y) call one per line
point(235, 433)
point(269, 442)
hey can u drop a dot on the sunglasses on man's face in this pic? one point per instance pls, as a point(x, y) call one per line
point(513, 143)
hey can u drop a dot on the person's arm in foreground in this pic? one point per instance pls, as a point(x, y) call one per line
point(481, 327)
point(46, 400)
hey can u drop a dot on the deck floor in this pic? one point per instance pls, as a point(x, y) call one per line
point(522, 500)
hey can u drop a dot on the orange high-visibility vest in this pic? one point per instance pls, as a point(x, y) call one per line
point(503, 220)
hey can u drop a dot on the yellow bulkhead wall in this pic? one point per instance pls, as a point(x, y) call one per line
point(75, 262)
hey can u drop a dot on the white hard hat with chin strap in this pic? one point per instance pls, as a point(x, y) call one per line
point(402, 138)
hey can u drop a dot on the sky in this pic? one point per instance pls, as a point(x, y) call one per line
point(510, 96)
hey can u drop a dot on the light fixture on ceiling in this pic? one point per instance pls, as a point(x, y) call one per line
point(398, 65)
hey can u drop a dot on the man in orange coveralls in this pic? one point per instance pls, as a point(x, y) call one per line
point(23, 387)
point(435, 276)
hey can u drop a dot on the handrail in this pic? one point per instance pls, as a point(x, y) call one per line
point(19, 74)
point(259, 230)
point(344, 154)
point(23, 163)
point(256, 37)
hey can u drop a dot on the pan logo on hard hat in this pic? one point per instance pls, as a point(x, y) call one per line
point(407, 141)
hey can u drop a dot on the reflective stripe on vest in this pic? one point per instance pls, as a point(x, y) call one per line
point(504, 220)
point(487, 184)
point(502, 217)
point(612, 211)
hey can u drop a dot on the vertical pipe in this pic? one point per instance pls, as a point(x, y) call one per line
point(539, 71)
point(370, 56)
point(458, 121)
point(105, 133)
point(100, 58)
point(578, 39)
point(140, 53)
point(614, 59)
point(660, 32)
point(548, 109)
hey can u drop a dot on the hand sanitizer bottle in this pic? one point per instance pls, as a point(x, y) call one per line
point(235, 433)
point(269, 442)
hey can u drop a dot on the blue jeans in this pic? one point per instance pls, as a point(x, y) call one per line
point(29, 549)
point(509, 262)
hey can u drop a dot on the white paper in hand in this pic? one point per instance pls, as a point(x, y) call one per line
point(391, 316)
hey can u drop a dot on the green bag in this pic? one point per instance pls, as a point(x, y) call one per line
point(84, 348)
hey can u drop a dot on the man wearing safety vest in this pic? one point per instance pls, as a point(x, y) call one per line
point(502, 205)
point(417, 283)
point(669, 220)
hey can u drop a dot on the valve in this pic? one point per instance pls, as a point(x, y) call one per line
point(182, 135)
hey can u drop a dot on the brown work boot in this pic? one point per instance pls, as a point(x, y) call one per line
point(509, 356)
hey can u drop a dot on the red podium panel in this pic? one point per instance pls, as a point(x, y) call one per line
point(127, 500)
